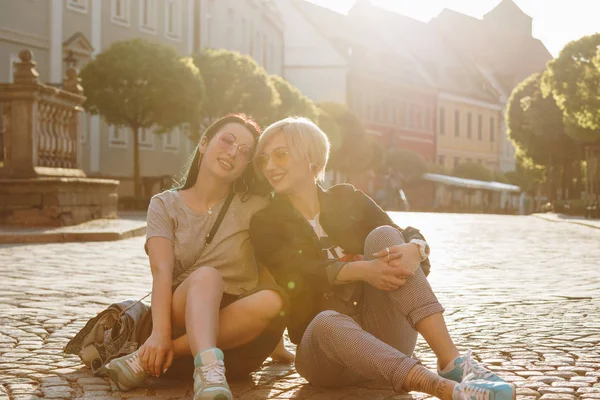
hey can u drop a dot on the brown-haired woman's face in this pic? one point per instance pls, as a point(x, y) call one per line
point(228, 153)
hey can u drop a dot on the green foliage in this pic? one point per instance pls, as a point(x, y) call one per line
point(293, 102)
point(573, 79)
point(537, 126)
point(409, 164)
point(435, 168)
point(140, 84)
point(235, 84)
point(350, 151)
point(527, 175)
point(472, 170)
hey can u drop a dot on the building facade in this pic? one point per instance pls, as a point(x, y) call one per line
point(71, 32)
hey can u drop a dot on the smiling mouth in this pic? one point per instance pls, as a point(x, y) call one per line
point(225, 164)
point(276, 177)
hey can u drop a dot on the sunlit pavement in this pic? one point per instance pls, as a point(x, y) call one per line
point(522, 292)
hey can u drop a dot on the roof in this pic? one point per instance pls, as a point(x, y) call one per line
point(471, 183)
point(362, 46)
point(510, 56)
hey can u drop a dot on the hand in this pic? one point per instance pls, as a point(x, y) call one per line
point(406, 257)
point(382, 276)
point(156, 354)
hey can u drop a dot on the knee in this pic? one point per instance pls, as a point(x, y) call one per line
point(206, 277)
point(382, 236)
point(271, 303)
point(325, 323)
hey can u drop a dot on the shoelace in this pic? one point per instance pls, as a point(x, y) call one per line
point(470, 366)
point(472, 392)
point(214, 373)
point(134, 363)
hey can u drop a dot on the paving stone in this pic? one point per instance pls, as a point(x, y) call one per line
point(541, 336)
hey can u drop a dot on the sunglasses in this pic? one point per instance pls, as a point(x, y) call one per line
point(227, 142)
point(280, 156)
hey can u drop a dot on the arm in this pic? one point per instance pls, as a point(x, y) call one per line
point(156, 354)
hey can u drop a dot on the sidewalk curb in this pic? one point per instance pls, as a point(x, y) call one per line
point(565, 221)
point(68, 237)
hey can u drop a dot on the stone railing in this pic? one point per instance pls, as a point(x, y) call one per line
point(40, 124)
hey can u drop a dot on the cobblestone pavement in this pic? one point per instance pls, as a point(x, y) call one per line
point(522, 292)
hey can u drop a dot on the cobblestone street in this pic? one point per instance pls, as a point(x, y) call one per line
point(522, 292)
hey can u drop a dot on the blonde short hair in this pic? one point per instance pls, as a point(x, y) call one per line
point(305, 139)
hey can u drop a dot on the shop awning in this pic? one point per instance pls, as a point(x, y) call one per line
point(471, 183)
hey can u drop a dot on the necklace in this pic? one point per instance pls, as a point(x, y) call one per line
point(210, 209)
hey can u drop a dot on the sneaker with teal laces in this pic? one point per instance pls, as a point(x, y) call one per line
point(466, 365)
point(478, 389)
point(127, 372)
point(209, 376)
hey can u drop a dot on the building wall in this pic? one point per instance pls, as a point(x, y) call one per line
point(252, 27)
point(482, 145)
point(400, 116)
point(24, 24)
point(312, 64)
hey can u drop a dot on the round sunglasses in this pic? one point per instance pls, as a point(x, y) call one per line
point(280, 156)
point(227, 142)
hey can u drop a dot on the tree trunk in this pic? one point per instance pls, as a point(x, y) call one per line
point(137, 179)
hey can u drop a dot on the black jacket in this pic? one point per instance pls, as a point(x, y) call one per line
point(286, 243)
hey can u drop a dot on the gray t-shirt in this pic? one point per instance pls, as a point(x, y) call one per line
point(230, 252)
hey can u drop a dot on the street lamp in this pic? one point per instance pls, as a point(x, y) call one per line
point(70, 60)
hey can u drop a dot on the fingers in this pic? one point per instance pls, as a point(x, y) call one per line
point(151, 362)
point(158, 363)
point(168, 361)
point(381, 253)
point(144, 355)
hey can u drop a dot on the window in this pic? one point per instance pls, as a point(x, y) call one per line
point(171, 140)
point(469, 126)
point(403, 115)
point(80, 6)
point(148, 14)
point(411, 116)
point(146, 139)
point(480, 127)
point(385, 111)
point(442, 122)
point(394, 113)
point(118, 136)
point(273, 58)
point(419, 117)
point(427, 119)
point(120, 12)
point(173, 19)
point(456, 161)
point(457, 123)
point(492, 129)
point(441, 160)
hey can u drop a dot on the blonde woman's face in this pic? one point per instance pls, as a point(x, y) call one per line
point(284, 172)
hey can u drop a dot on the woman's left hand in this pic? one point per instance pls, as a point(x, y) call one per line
point(405, 256)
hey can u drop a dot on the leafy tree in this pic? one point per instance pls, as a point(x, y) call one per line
point(140, 84)
point(409, 164)
point(347, 135)
point(234, 84)
point(293, 102)
point(573, 79)
point(472, 170)
point(527, 175)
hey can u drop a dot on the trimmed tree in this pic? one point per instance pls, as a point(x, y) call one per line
point(234, 84)
point(292, 101)
point(472, 170)
point(409, 164)
point(141, 85)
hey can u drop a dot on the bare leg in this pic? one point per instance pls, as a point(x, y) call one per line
point(281, 354)
point(238, 324)
point(434, 331)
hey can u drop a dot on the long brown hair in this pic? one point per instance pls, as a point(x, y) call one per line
point(247, 182)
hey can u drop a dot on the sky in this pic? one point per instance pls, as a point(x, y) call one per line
point(555, 22)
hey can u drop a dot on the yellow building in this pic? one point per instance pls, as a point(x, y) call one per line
point(468, 130)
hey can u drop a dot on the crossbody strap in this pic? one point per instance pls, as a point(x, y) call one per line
point(207, 241)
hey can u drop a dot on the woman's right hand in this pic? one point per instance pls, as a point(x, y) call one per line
point(156, 354)
point(380, 275)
